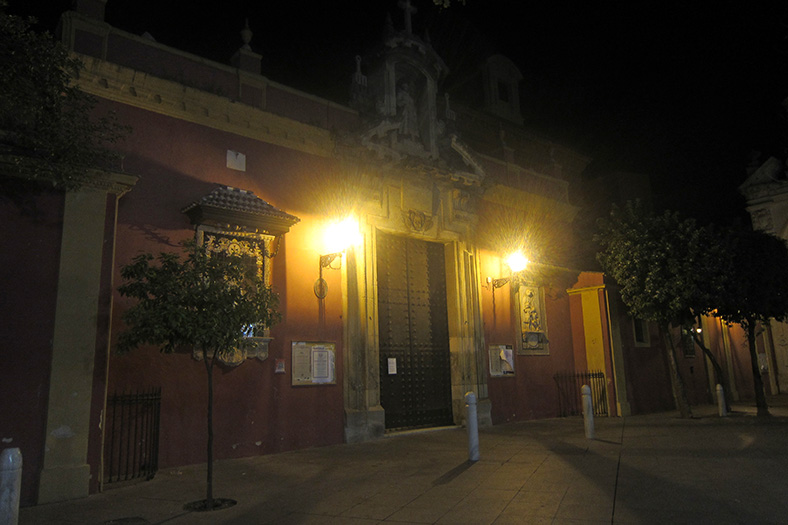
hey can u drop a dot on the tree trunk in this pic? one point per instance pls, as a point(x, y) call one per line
point(209, 487)
point(760, 395)
point(719, 377)
point(676, 382)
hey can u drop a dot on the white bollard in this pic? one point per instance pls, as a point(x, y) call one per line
point(721, 401)
point(588, 411)
point(10, 485)
point(473, 426)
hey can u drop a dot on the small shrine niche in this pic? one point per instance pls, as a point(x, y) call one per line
point(414, 109)
point(232, 221)
point(398, 97)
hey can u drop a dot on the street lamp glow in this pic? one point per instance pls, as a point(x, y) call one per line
point(517, 262)
point(341, 235)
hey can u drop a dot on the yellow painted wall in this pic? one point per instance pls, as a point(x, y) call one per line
point(592, 328)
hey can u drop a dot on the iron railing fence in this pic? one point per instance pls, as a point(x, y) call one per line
point(131, 440)
point(569, 395)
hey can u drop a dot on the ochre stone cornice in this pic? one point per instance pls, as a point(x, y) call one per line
point(141, 90)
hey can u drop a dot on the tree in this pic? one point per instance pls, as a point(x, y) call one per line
point(669, 271)
point(47, 133)
point(205, 301)
point(756, 291)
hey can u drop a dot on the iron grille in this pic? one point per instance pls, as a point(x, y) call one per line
point(569, 395)
point(131, 446)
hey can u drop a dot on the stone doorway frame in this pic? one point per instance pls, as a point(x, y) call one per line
point(364, 416)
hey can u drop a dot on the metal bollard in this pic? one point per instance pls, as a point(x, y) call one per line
point(588, 411)
point(721, 401)
point(10, 485)
point(473, 426)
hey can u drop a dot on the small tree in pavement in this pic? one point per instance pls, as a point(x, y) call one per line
point(201, 301)
point(756, 291)
point(669, 271)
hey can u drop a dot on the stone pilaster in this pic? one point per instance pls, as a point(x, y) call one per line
point(66, 473)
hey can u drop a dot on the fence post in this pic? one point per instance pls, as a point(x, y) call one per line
point(721, 401)
point(588, 411)
point(472, 423)
point(10, 485)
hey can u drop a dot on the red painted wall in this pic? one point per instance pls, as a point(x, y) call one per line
point(532, 392)
point(29, 273)
point(694, 373)
point(648, 379)
point(256, 411)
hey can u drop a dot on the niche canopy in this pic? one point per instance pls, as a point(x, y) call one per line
point(240, 210)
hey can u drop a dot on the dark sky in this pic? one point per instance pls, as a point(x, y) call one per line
point(683, 91)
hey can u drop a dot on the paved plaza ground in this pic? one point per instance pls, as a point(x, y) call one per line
point(653, 469)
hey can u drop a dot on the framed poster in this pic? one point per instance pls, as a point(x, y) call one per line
point(501, 360)
point(313, 363)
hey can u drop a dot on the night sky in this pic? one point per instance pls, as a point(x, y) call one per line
point(683, 91)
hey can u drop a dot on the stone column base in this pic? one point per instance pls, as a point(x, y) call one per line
point(364, 425)
point(63, 483)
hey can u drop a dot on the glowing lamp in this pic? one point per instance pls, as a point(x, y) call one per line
point(517, 262)
point(341, 235)
point(338, 237)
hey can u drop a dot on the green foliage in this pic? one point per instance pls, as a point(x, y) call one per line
point(46, 130)
point(204, 301)
point(757, 288)
point(669, 269)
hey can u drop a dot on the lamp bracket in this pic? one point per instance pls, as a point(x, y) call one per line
point(327, 260)
point(497, 283)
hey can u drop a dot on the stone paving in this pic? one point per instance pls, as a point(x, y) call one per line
point(651, 469)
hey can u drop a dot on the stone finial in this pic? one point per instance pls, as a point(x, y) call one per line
point(359, 77)
point(246, 35)
point(450, 114)
point(408, 9)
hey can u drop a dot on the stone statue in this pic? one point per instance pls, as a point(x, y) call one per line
point(406, 109)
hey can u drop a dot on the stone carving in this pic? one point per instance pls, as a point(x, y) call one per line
point(406, 112)
point(253, 347)
point(762, 220)
point(532, 322)
point(417, 221)
point(461, 202)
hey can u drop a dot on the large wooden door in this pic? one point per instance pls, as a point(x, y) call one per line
point(415, 375)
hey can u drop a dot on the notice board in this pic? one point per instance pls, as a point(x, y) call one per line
point(313, 363)
point(501, 360)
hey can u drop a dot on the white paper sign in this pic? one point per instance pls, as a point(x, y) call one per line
point(392, 366)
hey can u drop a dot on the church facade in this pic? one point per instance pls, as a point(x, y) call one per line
point(387, 322)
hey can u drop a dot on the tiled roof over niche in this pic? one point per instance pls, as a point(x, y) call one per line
point(234, 207)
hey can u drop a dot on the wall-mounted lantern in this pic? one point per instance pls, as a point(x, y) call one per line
point(338, 237)
point(517, 262)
